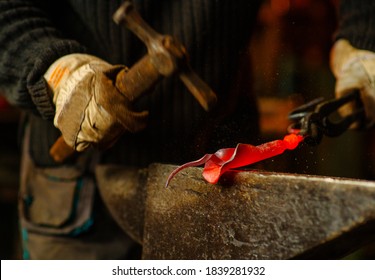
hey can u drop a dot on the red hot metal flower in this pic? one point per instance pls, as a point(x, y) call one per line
point(244, 154)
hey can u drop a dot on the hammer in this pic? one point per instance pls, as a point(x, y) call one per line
point(165, 56)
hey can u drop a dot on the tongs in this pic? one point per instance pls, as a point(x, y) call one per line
point(319, 117)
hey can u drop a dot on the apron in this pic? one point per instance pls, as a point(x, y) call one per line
point(61, 214)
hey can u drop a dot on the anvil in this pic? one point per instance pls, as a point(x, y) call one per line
point(247, 215)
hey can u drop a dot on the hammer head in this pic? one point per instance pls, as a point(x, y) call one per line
point(167, 55)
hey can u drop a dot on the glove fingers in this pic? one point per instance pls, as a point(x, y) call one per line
point(368, 100)
point(132, 121)
point(118, 106)
point(355, 80)
point(98, 128)
point(344, 85)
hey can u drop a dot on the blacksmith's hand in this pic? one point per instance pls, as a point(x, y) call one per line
point(90, 110)
point(354, 69)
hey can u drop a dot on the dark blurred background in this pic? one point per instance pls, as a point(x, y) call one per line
point(9, 179)
point(290, 61)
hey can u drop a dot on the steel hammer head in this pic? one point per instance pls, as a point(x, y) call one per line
point(167, 55)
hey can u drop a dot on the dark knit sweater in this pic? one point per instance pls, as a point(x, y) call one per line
point(34, 34)
point(357, 23)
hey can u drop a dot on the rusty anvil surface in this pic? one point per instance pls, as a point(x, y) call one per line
point(247, 215)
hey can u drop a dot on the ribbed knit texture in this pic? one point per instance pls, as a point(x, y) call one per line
point(29, 44)
point(213, 31)
point(357, 23)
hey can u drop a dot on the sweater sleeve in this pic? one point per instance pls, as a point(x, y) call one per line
point(357, 23)
point(29, 44)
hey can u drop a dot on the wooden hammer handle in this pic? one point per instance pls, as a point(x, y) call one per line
point(60, 151)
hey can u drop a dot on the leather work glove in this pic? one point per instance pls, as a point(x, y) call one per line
point(354, 69)
point(90, 110)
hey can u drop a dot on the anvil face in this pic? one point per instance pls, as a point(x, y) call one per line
point(247, 215)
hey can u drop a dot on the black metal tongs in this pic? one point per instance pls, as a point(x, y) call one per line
point(319, 117)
